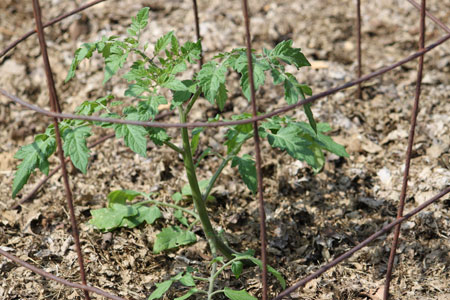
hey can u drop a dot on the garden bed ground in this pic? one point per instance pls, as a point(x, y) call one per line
point(311, 219)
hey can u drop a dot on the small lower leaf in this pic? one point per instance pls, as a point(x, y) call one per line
point(161, 289)
point(236, 268)
point(172, 237)
point(188, 294)
point(238, 295)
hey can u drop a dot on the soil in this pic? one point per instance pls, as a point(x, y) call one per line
point(311, 219)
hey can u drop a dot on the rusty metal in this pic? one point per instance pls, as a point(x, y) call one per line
point(431, 16)
point(55, 107)
point(237, 122)
point(55, 113)
point(49, 23)
point(197, 31)
point(358, 45)
point(361, 245)
point(259, 175)
point(414, 113)
point(58, 279)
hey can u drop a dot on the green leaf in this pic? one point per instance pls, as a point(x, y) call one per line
point(134, 136)
point(211, 77)
point(247, 170)
point(145, 214)
point(177, 197)
point(195, 138)
point(221, 97)
point(288, 139)
point(75, 146)
point(179, 216)
point(85, 51)
point(172, 237)
point(292, 89)
point(249, 255)
point(236, 268)
point(259, 77)
point(161, 289)
point(148, 109)
point(187, 280)
point(135, 90)
point(158, 135)
point(188, 294)
point(238, 295)
point(141, 19)
point(289, 55)
point(121, 196)
point(202, 184)
point(163, 42)
point(110, 218)
point(34, 156)
point(191, 51)
point(87, 108)
point(174, 85)
point(277, 76)
point(114, 61)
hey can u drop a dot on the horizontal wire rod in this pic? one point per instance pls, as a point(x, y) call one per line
point(230, 123)
point(58, 279)
point(51, 22)
point(361, 245)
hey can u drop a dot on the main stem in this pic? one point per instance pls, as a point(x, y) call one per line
point(214, 241)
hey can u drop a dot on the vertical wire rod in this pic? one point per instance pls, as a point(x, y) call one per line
point(414, 113)
point(358, 44)
point(262, 214)
point(197, 31)
point(361, 245)
point(54, 106)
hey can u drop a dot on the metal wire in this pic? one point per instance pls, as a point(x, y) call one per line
point(56, 114)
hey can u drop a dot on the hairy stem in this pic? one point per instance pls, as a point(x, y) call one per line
point(214, 241)
point(192, 101)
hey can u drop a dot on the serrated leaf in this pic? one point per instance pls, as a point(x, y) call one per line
point(187, 280)
point(288, 139)
point(162, 42)
point(247, 170)
point(87, 108)
point(110, 218)
point(76, 148)
point(236, 268)
point(141, 19)
point(191, 51)
point(172, 237)
point(34, 156)
point(277, 76)
point(221, 97)
point(174, 85)
point(182, 219)
point(121, 196)
point(210, 79)
point(289, 55)
point(114, 61)
point(134, 136)
point(188, 294)
point(85, 51)
point(135, 90)
point(292, 89)
point(161, 289)
point(259, 76)
point(238, 295)
point(145, 214)
point(148, 109)
point(158, 135)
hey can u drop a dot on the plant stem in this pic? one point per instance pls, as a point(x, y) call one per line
point(213, 271)
point(174, 147)
point(192, 101)
point(214, 241)
point(221, 167)
point(188, 211)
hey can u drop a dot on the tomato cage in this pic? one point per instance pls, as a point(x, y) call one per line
point(56, 114)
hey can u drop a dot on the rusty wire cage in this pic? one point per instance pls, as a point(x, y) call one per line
point(57, 115)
